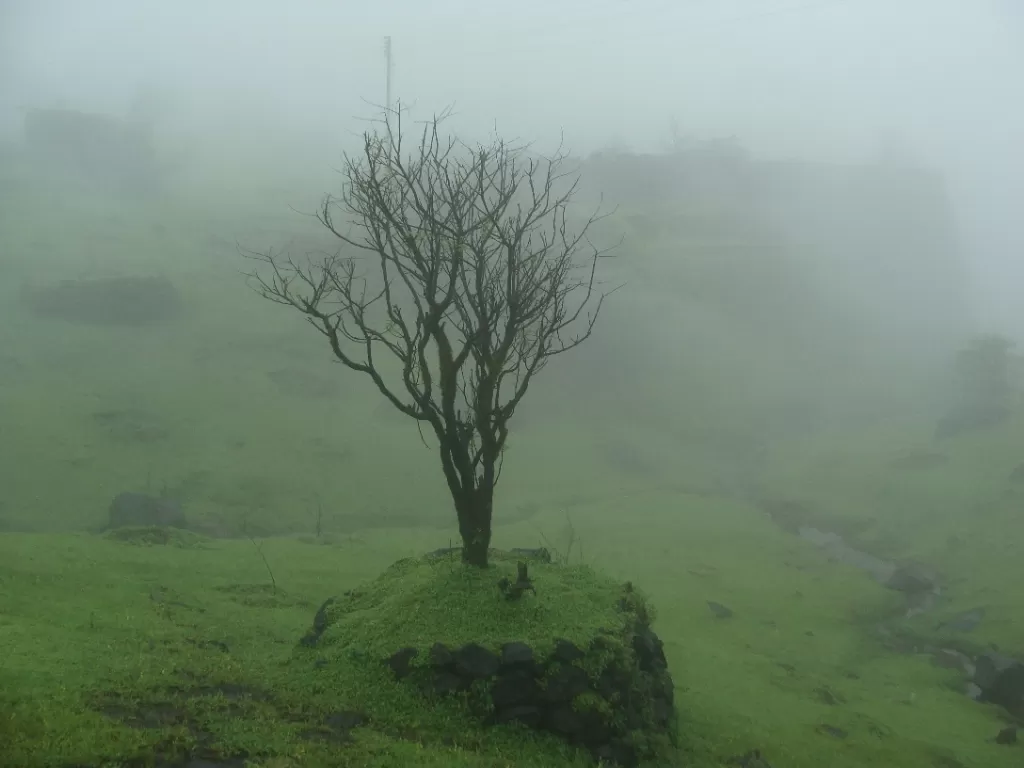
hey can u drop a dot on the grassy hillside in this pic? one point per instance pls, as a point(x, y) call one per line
point(93, 626)
point(641, 443)
point(953, 504)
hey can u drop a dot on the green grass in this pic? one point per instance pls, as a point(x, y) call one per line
point(960, 514)
point(139, 627)
point(89, 622)
point(415, 604)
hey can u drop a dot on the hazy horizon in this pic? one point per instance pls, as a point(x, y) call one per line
point(826, 81)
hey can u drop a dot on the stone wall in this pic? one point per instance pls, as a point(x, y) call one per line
point(612, 695)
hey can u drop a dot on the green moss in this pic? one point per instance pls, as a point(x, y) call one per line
point(591, 702)
point(420, 601)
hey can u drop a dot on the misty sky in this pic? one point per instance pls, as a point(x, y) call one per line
point(820, 80)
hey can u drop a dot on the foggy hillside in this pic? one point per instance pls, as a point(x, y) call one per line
point(327, 440)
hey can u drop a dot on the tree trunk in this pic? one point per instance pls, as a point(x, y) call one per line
point(474, 508)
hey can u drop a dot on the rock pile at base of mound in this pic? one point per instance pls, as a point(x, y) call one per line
point(572, 654)
point(609, 696)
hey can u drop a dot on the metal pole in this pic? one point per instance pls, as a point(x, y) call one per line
point(387, 60)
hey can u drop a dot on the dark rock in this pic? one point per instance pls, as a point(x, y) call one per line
point(1007, 736)
point(579, 727)
point(970, 419)
point(337, 727)
point(320, 619)
point(446, 682)
point(126, 301)
point(1017, 475)
point(616, 710)
point(650, 651)
point(831, 730)
point(513, 590)
point(617, 752)
point(441, 656)
point(567, 652)
point(967, 621)
point(130, 509)
point(720, 611)
point(515, 689)
point(912, 579)
point(615, 680)
point(566, 722)
point(476, 662)
point(565, 683)
point(401, 660)
point(662, 712)
point(311, 638)
point(788, 514)
point(516, 655)
point(989, 666)
point(1001, 680)
point(828, 696)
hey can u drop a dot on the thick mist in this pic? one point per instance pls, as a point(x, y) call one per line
point(275, 88)
point(795, 430)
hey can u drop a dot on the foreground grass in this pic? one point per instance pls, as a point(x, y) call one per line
point(115, 652)
point(195, 643)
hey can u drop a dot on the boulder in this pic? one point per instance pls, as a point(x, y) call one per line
point(913, 579)
point(1001, 681)
point(130, 509)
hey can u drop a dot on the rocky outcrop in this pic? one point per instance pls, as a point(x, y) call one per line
point(558, 649)
point(612, 695)
point(1000, 680)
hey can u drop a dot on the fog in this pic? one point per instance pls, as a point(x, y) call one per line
point(796, 428)
point(815, 80)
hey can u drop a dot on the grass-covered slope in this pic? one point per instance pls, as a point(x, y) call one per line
point(953, 505)
point(113, 651)
point(109, 650)
point(115, 654)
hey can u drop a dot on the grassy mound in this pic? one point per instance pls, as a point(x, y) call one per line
point(575, 657)
point(420, 601)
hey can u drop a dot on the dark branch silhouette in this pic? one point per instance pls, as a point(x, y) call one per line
point(460, 263)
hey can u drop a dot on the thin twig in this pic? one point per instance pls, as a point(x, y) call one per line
point(259, 548)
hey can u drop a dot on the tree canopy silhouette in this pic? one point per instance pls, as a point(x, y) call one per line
point(461, 263)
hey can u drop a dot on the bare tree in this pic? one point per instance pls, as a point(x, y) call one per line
point(476, 280)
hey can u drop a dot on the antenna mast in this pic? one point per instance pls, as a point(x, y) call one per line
point(387, 76)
